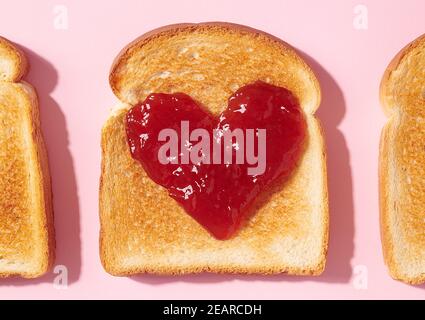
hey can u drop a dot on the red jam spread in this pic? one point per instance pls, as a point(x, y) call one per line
point(219, 186)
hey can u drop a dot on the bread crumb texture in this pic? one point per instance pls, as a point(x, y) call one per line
point(15, 225)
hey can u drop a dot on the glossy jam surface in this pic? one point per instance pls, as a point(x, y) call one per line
point(219, 196)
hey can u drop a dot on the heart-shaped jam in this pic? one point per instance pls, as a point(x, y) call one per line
point(216, 167)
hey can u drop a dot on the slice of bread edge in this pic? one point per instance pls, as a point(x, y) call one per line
point(16, 59)
point(40, 173)
point(388, 104)
point(176, 28)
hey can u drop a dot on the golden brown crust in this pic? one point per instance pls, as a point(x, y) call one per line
point(17, 59)
point(401, 163)
point(26, 220)
point(385, 91)
point(175, 29)
point(218, 269)
point(144, 231)
point(387, 247)
point(46, 202)
point(325, 197)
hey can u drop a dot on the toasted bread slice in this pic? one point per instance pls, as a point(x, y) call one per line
point(26, 219)
point(143, 230)
point(402, 164)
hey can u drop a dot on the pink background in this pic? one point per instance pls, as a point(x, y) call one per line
point(70, 72)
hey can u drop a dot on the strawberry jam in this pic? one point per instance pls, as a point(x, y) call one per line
point(219, 188)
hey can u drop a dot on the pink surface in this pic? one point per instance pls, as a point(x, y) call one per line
point(70, 71)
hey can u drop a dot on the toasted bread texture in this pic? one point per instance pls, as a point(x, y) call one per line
point(143, 230)
point(26, 218)
point(402, 164)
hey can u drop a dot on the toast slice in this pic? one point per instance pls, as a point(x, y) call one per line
point(26, 218)
point(143, 230)
point(402, 164)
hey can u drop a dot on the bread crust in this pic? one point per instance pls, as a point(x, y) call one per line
point(385, 94)
point(174, 29)
point(113, 131)
point(40, 258)
point(395, 106)
point(17, 59)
